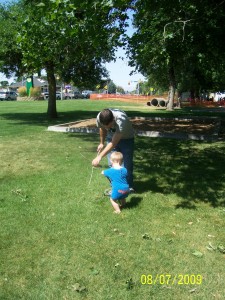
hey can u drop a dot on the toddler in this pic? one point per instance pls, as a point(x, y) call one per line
point(117, 176)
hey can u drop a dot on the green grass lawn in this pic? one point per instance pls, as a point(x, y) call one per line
point(59, 236)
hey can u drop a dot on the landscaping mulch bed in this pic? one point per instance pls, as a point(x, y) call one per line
point(193, 128)
point(199, 126)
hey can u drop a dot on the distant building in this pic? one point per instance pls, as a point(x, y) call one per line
point(37, 82)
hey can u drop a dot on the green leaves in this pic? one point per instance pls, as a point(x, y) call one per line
point(94, 271)
point(79, 288)
point(130, 283)
point(108, 3)
point(210, 247)
point(72, 31)
point(197, 253)
point(219, 248)
point(182, 34)
point(74, 38)
point(146, 236)
point(40, 4)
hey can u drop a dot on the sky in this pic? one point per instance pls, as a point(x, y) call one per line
point(119, 71)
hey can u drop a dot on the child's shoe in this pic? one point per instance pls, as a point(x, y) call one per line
point(108, 192)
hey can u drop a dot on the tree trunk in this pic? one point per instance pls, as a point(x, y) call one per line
point(52, 112)
point(172, 89)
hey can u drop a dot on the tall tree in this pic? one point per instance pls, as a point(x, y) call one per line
point(10, 54)
point(71, 39)
point(111, 87)
point(4, 83)
point(177, 42)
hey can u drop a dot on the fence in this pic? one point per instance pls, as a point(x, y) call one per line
point(127, 98)
point(154, 101)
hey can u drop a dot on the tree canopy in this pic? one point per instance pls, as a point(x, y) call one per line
point(178, 43)
point(69, 39)
point(10, 53)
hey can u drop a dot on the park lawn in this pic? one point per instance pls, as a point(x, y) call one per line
point(59, 236)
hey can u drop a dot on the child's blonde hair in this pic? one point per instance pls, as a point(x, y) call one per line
point(116, 157)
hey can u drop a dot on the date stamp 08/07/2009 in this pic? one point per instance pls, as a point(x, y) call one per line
point(169, 279)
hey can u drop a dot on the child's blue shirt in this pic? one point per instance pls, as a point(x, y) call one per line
point(118, 179)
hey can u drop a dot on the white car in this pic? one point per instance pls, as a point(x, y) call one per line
point(58, 96)
point(219, 95)
point(86, 93)
point(8, 95)
point(69, 95)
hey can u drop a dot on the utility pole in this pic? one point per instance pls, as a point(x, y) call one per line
point(138, 85)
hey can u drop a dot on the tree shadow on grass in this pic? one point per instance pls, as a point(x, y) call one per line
point(192, 170)
point(133, 202)
point(40, 119)
point(186, 204)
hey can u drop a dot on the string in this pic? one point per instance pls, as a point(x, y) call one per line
point(91, 170)
point(83, 155)
point(91, 176)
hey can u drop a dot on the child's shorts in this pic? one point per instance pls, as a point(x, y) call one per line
point(119, 194)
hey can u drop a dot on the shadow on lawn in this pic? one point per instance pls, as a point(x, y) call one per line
point(133, 202)
point(191, 170)
point(41, 119)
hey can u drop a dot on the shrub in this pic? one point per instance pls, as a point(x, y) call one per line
point(22, 91)
point(35, 92)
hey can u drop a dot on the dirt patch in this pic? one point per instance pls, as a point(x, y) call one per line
point(163, 125)
point(176, 126)
point(207, 128)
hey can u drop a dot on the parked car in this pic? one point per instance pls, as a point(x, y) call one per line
point(78, 95)
point(219, 96)
point(86, 93)
point(8, 95)
point(69, 95)
point(58, 95)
